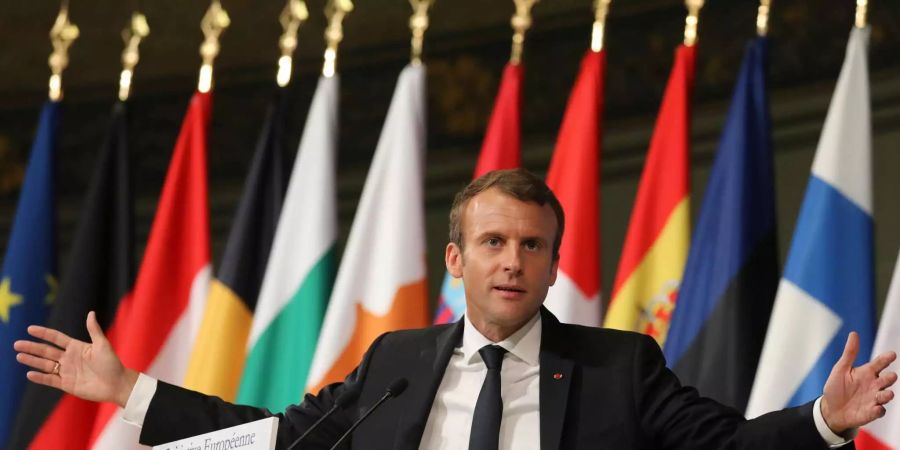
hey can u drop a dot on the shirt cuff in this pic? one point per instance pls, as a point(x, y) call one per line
point(831, 438)
point(139, 400)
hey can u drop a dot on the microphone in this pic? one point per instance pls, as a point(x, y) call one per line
point(342, 401)
point(394, 390)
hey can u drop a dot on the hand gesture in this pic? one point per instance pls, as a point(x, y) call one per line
point(91, 371)
point(855, 396)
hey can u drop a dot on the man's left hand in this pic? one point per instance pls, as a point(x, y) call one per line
point(855, 396)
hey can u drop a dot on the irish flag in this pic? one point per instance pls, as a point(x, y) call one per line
point(656, 244)
point(301, 266)
point(381, 283)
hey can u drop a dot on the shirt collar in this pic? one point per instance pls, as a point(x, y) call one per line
point(524, 344)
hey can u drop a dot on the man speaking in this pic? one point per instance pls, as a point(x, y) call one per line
point(508, 375)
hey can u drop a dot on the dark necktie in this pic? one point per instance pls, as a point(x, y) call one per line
point(489, 408)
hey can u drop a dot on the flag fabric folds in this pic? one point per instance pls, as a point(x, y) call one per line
point(301, 268)
point(381, 284)
point(27, 283)
point(574, 176)
point(99, 273)
point(218, 356)
point(173, 280)
point(501, 149)
point(731, 274)
point(884, 433)
point(827, 289)
point(658, 237)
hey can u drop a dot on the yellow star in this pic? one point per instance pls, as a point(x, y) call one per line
point(52, 287)
point(8, 299)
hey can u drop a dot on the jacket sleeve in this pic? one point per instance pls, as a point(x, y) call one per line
point(677, 417)
point(177, 413)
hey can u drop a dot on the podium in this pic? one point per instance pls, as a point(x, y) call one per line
point(258, 435)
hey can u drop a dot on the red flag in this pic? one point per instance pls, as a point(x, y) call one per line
point(658, 237)
point(501, 150)
point(156, 323)
point(574, 177)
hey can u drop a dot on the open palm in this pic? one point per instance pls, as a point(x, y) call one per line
point(91, 371)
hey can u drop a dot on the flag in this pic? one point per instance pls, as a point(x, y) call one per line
point(381, 283)
point(301, 267)
point(731, 274)
point(157, 322)
point(658, 237)
point(27, 282)
point(99, 273)
point(827, 289)
point(884, 433)
point(218, 356)
point(574, 177)
point(501, 149)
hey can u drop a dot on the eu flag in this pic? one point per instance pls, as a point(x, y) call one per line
point(28, 283)
point(731, 274)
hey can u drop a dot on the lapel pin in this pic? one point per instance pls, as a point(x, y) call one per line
point(557, 376)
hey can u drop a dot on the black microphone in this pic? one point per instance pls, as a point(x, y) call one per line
point(394, 390)
point(347, 397)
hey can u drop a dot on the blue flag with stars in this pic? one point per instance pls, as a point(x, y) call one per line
point(27, 282)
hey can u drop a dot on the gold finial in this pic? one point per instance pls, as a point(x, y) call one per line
point(418, 23)
point(601, 8)
point(862, 7)
point(762, 18)
point(521, 22)
point(130, 56)
point(62, 35)
point(335, 10)
point(214, 22)
point(690, 23)
point(292, 16)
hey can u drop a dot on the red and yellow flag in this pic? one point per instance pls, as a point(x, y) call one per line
point(658, 237)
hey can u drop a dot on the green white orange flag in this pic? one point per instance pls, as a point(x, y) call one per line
point(381, 284)
point(658, 237)
point(158, 321)
point(300, 271)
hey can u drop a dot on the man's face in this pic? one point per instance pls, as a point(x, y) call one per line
point(507, 263)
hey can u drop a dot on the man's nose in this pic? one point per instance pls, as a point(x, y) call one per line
point(512, 260)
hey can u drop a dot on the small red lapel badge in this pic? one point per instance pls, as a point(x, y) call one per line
point(557, 376)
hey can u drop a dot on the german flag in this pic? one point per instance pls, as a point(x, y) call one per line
point(656, 244)
point(99, 273)
point(219, 352)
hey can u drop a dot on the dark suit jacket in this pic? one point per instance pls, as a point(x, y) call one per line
point(614, 392)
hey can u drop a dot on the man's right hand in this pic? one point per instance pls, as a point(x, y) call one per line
point(91, 371)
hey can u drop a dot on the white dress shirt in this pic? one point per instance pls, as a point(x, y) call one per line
point(450, 420)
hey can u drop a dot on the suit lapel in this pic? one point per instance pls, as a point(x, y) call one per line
point(555, 382)
point(429, 369)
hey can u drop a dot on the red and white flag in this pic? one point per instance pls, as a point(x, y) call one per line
point(574, 177)
point(155, 325)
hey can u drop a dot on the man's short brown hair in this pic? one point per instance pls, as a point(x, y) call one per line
point(518, 183)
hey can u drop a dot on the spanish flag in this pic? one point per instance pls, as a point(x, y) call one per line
point(658, 237)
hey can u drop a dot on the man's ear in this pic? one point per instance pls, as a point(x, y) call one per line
point(453, 259)
point(554, 268)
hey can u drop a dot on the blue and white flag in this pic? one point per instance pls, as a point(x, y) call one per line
point(827, 289)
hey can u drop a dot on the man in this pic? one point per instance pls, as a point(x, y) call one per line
point(562, 386)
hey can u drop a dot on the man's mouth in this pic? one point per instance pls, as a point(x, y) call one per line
point(510, 289)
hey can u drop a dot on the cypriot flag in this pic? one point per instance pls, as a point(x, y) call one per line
point(300, 271)
point(381, 284)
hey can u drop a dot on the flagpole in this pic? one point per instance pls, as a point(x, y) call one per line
point(762, 18)
point(335, 11)
point(691, 21)
point(292, 16)
point(62, 35)
point(601, 9)
point(862, 8)
point(213, 24)
point(521, 22)
point(418, 23)
point(130, 56)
